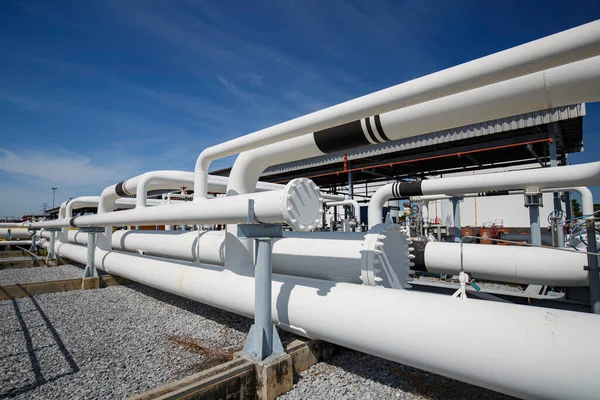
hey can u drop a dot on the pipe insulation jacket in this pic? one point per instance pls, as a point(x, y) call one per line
point(346, 256)
point(562, 48)
point(15, 233)
point(564, 85)
point(570, 176)
point(426, 331)
point(513, 264)
point(379, 257)
point(299, 205)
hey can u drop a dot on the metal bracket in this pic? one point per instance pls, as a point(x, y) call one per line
point(259, 231)
point(52, 229)
point(91, 229)
point(586, 268)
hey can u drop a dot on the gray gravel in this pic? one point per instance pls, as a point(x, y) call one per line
point(109, 343)
point(353, 375)
point(39, 274)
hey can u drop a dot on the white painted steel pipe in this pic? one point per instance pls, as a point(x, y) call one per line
point(562, 48)
point(15, 233)
point(299, 205)
point(14, 224)
point(14, 242)
point(564, 85)
point(337, 256)
point(567, 176)
point(426, 331)
point(512, 264)
point(347, 202)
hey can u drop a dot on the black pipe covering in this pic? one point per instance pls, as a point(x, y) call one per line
point(419, 253)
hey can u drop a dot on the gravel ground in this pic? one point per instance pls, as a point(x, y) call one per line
point(39, 274)
point(109, 343)
point(353, 375)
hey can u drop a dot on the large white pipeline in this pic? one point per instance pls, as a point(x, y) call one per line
point(562, 48)
point(513, 264)
point(568, 84)
point(348, 257)
point(15, 233)
point(566, 176)
point(299, 205)
point(422, 330)
point(587, 198)
point(378, 257)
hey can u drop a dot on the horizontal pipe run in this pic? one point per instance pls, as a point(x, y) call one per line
point(543, 178)
point(422, 330)
point(511, 264)
point(562, 48)
point(559, 86)
point(14, 242)
point(299, 205)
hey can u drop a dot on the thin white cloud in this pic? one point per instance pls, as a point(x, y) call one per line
point(58, 168)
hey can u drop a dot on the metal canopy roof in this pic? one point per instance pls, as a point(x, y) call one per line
point(508, 141)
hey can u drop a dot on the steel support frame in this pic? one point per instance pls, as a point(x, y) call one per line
point(263, 340)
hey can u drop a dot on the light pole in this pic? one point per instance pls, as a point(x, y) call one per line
point(53, 195)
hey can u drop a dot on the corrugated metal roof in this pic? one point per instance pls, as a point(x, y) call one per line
point(449, 135)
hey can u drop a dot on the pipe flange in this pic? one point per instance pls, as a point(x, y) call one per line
point(385, 257)
point(302, 205)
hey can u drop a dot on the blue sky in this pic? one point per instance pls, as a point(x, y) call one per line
point(92, 92)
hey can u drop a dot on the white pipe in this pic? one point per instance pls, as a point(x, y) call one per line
point(216, 183)
point(14, 224)
point(299, 205)
point(513, 264)
point(14, 242)
point(347, 202)
point(562, 48)
point(567, 176)
point(338, 256)
point(15, 233)
point(422, 330)
point(564, 85)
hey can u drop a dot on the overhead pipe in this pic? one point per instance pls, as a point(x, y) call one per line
point(14, 242)
point(299, 205)
point(587, 198)
point(363, 322)
point(569, 176)
point(562, 48)
point(559, 86)
point(347, 202)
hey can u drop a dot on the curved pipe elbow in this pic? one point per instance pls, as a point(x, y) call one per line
point(377, 202)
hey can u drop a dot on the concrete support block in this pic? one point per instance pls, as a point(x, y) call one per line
point(54, 262)
point(274, 377)
point(307, 352)
point(92, 282)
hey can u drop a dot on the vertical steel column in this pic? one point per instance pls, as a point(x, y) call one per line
point(8, 238)
point(90, 268)
point(594, 274)
point(32, 232)
point(263, 339)
point(560, 234)
point(456, 208)
point(534, 224)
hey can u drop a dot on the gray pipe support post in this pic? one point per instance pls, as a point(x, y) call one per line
point(32, 232)
point(533, 201)
point(90, 268)
point(8, 237)
point(263, 340)
point(594, 274)
point(553, 129)
point(51, 248)
point(456, 208)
